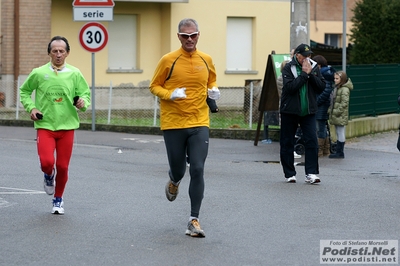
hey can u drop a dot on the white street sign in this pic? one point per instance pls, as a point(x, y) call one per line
point(93, 10)
point(93, 14)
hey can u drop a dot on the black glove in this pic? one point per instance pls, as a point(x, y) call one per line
point(212, 105)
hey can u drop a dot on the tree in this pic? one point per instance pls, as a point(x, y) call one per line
point(375, 33)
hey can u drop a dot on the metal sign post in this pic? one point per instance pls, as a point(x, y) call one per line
point(93, 95)
point(93, 37)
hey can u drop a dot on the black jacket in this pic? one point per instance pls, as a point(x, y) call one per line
point(324, 99)
point(290, 100)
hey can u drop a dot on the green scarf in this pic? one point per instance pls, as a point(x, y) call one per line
point(303, 93)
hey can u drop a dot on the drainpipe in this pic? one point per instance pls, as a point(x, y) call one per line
point(16, 46)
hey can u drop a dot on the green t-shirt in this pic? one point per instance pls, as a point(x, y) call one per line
point(303, 95)
point(54, 96)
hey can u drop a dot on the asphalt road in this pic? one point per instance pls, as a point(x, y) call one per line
point(116, 212)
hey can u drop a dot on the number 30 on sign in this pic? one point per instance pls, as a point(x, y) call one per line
point(93, 37)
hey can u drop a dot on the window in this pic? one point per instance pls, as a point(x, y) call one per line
point(122, 44)
point(333, 40)
point(239, 43)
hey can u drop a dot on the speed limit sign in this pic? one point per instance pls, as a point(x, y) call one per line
point(93, 37)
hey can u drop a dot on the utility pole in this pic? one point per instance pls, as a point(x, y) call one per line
point(344, 51)
point(299, 22)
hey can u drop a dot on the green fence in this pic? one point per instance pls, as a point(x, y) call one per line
point(376, 88)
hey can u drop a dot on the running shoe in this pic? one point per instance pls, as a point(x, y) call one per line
point(49, 183)
point(312, 179)
point(58, 206)
point(194, 229)
point(291, 179)
point(171, 190)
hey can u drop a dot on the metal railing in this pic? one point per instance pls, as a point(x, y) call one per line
point(376, 88)
point(136, 106)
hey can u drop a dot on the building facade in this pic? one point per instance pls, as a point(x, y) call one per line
point(326, 21)
point(239, 35)
point(239, 38)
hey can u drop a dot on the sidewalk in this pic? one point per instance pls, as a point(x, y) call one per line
point(385, 142)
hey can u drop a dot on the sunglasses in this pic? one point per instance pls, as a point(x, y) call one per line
point(187, 35)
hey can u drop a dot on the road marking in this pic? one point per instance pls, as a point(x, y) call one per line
point(138, 140)
point(4, 203)
point(15, 191)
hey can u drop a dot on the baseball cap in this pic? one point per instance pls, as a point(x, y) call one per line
point(303, 49)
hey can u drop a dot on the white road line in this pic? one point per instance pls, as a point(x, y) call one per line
point(15, 191)
point(20, 193)
point(138, 140)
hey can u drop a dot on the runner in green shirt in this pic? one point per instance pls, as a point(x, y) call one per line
point(60, 91)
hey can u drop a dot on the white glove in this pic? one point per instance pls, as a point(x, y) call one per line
point(178, 93)
point(214, 93)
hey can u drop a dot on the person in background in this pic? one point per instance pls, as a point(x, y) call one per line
point(324, 101)
point(398, 138)
point(279, 83)
point(339, 111)
point(279, 80)
point(292, 53)
point(298, 131)
point(302, 81)
point(60, 91)
point(184, 115)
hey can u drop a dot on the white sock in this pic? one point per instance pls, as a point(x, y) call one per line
point(175, 184)
point(193, 218)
